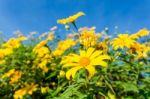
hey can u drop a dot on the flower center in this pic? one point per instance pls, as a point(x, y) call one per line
point(84, 61)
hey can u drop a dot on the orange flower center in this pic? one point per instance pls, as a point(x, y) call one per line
point(84, 61)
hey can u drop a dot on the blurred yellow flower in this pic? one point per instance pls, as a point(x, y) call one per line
point(122, 41)
point(29, 89)
point(41, 52)
point(103, 46)
point(9, 73)
point(13, 74)
point(140, 33)
point(44, 89)
point(12, 43)
point(63, 46)
point(41, 44)
point(8, 51)
point(2, 53)
point(139, 50)
point(43, 56)
point(57, 52)
point(62, 73)
point(87, 60)
point(143, 32)
point(70, 19)
point(43, 65)
point(20, 93)
point(134, 36)
point(88, 38)
point(15, 77)
point(136, 47)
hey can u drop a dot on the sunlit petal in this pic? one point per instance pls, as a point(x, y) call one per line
point(71, 73)
point(91, 71)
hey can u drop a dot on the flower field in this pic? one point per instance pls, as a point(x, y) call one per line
point(85, 65)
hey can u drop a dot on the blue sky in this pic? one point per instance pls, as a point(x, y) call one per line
point(40, 15)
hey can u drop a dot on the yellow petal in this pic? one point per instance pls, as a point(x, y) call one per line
point(75, 58)
point(69, 65)
point(102, 57)
point(98, 62)
point(95, 54)
point(71, 73)
point(91, 71)
point(82, 53)
point(89, 51)
point(111, 96)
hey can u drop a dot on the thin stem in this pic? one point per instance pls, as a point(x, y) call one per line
point(75, 26)
point(109, 85)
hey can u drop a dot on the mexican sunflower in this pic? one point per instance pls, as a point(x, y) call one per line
point(70, 19)
point(86, 59)
point(122, 41)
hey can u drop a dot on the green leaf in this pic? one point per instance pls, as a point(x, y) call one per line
point(130, 87)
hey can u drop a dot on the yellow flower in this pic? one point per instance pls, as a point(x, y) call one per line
point(63, 46)
point(88, 38)
point(13, 74)
point(140, 50)
point(9, 73)
point(12, 43)
point(140, 33)
point(57, 52)
point(20, 93)
point(4, 52)
point(15, 77)
point(8, 51)
point(41, 44)
point(41, 52)
point(87, 60)
point(66, 44)
point(102, 46)
point(43, 56)
point(136, 47)
point(143, 32)
point(134, 36)
point(43, 65)
point(122, 41)
point(70, 19)
point(62, 73)
point(44, 89)
point(29, 89)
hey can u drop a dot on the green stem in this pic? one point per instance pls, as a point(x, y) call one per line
point(75, 26)
point(59, 88)
point(86, 82)
point(116, 56)
point(102, 94)
point(109, 85)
